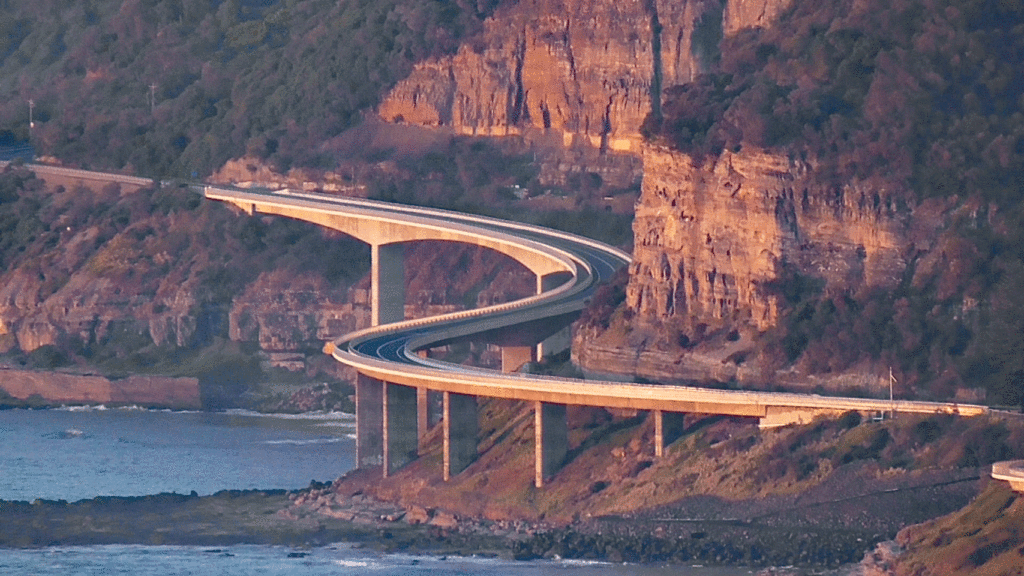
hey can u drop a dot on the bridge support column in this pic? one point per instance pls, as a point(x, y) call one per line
point(399, 425)
point(667, 427)
point(426, 412)
point(551, 440)
point(563, 338)
point(387, 283)
point(369, 421)
point(422, 413)
point(461, 427)
point(513, 357)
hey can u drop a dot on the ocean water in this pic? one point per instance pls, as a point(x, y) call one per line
point(73, 454)
point(277, 561)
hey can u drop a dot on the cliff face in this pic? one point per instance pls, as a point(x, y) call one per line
point(711, 239)
point(584, 71)
point(93, 309)
point(58, 387)
point(287, 313)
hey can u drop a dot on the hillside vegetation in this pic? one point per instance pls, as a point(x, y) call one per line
point(917, 99)
point(128, 260)
point(178, 87)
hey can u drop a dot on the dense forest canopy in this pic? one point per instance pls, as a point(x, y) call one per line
point(928, 94)
point(177, 87)
point(917, 98)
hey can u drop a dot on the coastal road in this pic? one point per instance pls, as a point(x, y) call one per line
point(388, 352)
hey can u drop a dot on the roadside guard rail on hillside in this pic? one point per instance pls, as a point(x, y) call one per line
point(77, 174)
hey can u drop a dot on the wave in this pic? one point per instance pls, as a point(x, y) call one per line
point(352, 563)
point(582, 562)
point(301, 416)
point(128, 408)
point(92, 408)
point(307, 442)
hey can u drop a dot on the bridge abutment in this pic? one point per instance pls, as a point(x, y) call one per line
point(776, 416)
point(551, 440)
point(461, 428)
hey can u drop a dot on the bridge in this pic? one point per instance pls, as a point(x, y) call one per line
point(395, 377)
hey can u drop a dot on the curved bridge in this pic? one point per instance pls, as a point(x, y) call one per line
point(394, 378)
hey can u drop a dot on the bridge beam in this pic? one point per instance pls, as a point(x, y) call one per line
point(461, 428)
point(387, 283)
point(551, 440)
point(369, 421)
point(400, 442)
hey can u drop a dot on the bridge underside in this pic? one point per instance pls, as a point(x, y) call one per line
point(392, 419)
point(377, 232)
point(392, 415)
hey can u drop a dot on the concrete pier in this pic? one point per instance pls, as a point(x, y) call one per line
point(369, 421)
point(427, 412)
point(461, 428)
point(668, 426)
point(387, 283)
point(551, 440)
point(513, 357)
point(563, 338)
point(399, 427)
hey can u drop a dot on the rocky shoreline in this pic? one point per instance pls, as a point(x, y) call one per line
point(681, 509)
point(764, 533)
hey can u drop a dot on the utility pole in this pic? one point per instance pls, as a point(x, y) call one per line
point(892, 402)
point(152, 98)
point(31, 121)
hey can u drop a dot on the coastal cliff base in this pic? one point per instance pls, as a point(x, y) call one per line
point(27, 387)
point(812, 497)
point(725, 492)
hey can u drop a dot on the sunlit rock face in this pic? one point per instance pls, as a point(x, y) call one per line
point(711, 238)
point(584, 70)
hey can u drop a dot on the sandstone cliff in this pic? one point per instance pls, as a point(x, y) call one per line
point(164, 268)
point(60, 387)
point(588, 72)
point(711, 241)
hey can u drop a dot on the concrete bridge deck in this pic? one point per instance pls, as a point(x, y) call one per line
point(391, 371)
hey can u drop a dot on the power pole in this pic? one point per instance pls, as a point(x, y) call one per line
point(892, 402)
point(152, 98)
point(31, 121)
